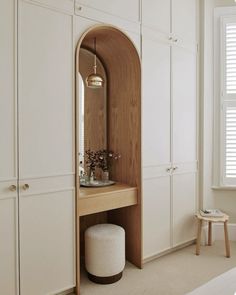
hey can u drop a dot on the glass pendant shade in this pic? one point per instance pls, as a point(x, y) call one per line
point(95, 80)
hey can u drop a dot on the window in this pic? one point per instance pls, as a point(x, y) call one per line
point(228, 92)
point(226, 72)
point(229, 52)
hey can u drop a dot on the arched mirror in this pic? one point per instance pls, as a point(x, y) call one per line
point(92, 108)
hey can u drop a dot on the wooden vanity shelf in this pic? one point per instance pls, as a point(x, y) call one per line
point(94, 200)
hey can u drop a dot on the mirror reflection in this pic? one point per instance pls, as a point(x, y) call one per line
point(92, 108)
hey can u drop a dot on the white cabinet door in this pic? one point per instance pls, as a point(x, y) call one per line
point(8, 238)
point(45, 92)
point(184, 144)
point(81, 25)
point(169, 123)
point(156, 102)
point(8, 160)
point(7, 91)
point(122, 8)
point(156, 14)
point(46, 150)
point(184, 19)
point(66, 6)
point(184, 105)
point(156, 216)
point(175, 17)
point(47, 242)
point(184, 206)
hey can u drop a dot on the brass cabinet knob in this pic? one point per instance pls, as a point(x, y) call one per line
point(25, 186)
point(168, 169)
point(175, 168)
point(12, 188)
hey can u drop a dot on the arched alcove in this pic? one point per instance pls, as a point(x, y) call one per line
point(121, 61)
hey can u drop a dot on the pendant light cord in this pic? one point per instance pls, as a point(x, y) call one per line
point(95, 57)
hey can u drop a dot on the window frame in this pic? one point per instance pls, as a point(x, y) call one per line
point(222, 15)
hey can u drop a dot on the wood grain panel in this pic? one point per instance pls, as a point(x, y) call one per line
point(122, 63)
point(86, 222)
point(129, 219)
point(98, 200)
point(95, 109)
point(124, 119)
point(124, 104)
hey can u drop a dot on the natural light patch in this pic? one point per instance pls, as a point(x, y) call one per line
point(81, 122)
point(230, 52)
point(230, 124)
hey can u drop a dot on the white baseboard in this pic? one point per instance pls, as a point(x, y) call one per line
point(218, 232)
point(160, 254)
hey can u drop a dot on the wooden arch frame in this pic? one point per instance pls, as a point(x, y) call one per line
point(123, 67)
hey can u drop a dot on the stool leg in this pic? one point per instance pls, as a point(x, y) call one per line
point(227, 246)
point(209, 233)
point(199, 230)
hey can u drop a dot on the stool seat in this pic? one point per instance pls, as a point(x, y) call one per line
point(211, 219)
point(223, 218)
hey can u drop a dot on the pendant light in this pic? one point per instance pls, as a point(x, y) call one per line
point(95, 80)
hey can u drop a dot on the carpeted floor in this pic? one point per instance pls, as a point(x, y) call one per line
point(173, 274)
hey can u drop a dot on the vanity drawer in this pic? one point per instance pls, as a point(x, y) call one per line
point(103, 199)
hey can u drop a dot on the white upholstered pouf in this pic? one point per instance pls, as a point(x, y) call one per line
point(105, 253)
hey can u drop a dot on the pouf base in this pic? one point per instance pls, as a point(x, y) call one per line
point(105, 280)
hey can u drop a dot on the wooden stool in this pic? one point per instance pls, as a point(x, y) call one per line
point(209, 219)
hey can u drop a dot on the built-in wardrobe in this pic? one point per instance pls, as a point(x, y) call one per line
point(41, 230)
point(170, 116)
point(37, 171)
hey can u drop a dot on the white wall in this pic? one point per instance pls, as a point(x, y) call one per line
point(225, 200)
